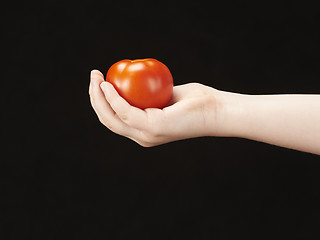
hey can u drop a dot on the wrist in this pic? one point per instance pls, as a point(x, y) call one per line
point(231, 110)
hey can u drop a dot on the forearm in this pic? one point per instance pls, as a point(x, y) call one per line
point(291, 121)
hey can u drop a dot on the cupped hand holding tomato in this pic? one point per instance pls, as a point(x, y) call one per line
point(196, 110)
point(143, 83)
point(191, 110)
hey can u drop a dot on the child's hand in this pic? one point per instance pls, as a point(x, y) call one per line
point(193, 111)
point(287, 120)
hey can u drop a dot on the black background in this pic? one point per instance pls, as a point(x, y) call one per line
point(65, 176)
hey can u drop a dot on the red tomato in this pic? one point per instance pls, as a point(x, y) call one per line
point(143, 83)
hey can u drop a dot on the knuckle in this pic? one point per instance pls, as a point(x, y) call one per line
point(199, 92)
point(148, 138)
point(154, 132)
point(154, 128)
point(124, 116)
point(106, 123)
point(194, 84)
point(146, 144)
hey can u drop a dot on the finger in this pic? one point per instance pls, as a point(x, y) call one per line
point(131, 115)
point(95, 74)
point(105, 113)
point(181, 92)
point(178, 93)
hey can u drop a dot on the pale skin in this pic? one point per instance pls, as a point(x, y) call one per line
point(195, 110)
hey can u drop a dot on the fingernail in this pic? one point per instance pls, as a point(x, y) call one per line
point(91, 73)
point(91, 76)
